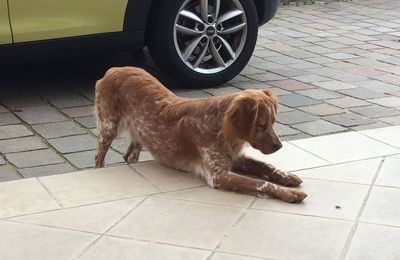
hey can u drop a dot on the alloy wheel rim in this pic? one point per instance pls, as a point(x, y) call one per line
point(209, 35)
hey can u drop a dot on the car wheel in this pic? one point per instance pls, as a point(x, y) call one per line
point(203, 42)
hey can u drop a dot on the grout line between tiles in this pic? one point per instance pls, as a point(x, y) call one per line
point(49, 226)
point(73, 207)
point(93, 242)
point(370, 137)
point(290, 142)
point(354, 228)
point(144, 177)
point(59, 203)
point(234, 225)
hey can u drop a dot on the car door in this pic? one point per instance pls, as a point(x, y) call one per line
point(5, 30)
point(51, 19)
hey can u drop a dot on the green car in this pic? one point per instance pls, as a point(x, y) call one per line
point(198, 42)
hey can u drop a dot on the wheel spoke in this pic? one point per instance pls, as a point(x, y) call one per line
point(204, 9)
point(186, 30)
point(217, 57)
point(216, 9)
point(190, 48)
point(191, 15)
point(229, 15)
point(227, 47)
point(233, 29)
point(202, 54)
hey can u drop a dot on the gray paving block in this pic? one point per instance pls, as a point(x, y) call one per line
point(311, 78)
point(8, 174)
point(349, 119)
point(75, 143)
point(2, 161)
point(20, 99)
point(267, 76)
point(377, 86)
point(59, 129)
point(369, 126)
point(3, 109)
point(322, 110)
point(46, 170)
point(220, 91)
point(393, 120)
point(79, 111)
point(319, 94)
point(295, 137)
point(346, 102)
point(40, 115)
point(294, 117)
point(14, 131)
point(283, 130)
point(85, 159)
point(193, 93)
point(21, 144)
point(362, 93)
point(34, 158)
point(296, 100)
point(8, 119)
point(319, 127)
point(88, 121)
point(375, 111)
point(62, 98)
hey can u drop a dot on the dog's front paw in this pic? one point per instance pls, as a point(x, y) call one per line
point(291, 180)
point(293, 196)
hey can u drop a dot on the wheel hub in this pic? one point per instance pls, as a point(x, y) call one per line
point(210, 35)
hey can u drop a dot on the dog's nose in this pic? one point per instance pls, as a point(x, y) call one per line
point(276, 146)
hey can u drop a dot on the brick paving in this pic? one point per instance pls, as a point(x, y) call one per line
point(334, 66)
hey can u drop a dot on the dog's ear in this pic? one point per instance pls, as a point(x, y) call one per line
point(272, 98)
point(241, 117)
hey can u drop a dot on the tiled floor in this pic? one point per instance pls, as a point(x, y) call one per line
point(335, 67)
point(147, 211)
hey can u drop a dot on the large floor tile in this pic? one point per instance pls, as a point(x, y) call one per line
point(383, 206)
point(118, 248)
point(284, 236)
point(25, 241)
point(389, 174)
point(356, 172)
point(95, 218)
point(165, 178)
point(372, 242)
point(24, 197)
point(389, 135)
point(289, 158)
point(323, 199)
point(94, 186)
point(224, 256)
point(209, 195)
point(345, 147)
point(178, 222)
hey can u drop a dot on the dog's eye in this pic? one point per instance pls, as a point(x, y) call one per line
point(262, 126)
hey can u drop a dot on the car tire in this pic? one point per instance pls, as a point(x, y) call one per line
point(226, 37)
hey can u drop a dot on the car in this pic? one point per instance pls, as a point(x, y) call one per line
point(196, 42)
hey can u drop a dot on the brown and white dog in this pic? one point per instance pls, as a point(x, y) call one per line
point(204, 136)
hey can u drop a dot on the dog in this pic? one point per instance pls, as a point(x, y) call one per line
point(205, 136)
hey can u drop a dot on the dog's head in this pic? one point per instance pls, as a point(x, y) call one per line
point(250, 117)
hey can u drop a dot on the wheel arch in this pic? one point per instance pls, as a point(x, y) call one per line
point(137, 15)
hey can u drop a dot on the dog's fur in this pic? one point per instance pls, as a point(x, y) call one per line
point(205, 136)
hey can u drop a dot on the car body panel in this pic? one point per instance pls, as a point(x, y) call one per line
point(51, 19)
point(5, 30)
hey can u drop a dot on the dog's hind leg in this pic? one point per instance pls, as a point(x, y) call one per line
point(108, 130)
point(132, 154)
point(251, 167)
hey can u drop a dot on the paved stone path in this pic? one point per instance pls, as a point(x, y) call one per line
point(335, 67)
